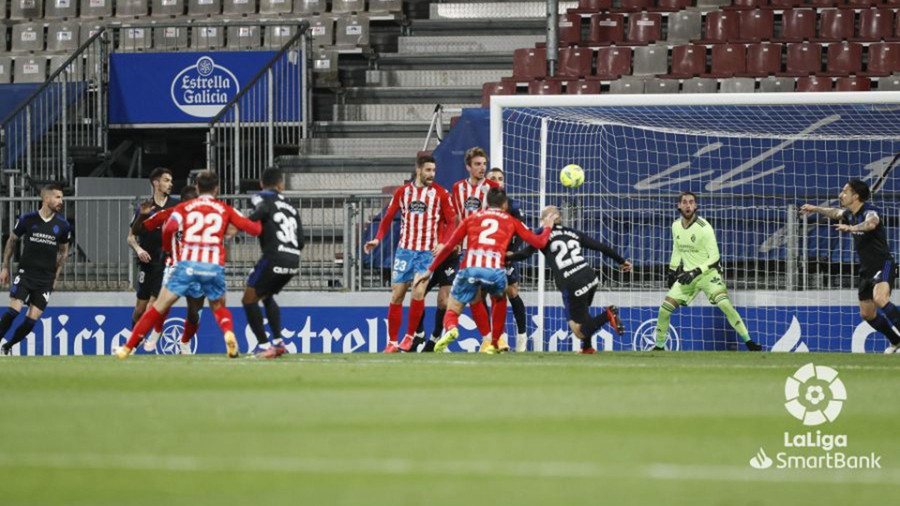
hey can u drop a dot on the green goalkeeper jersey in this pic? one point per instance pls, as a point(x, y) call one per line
point(695, 246)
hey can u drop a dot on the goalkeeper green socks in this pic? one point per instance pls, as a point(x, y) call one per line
point(733, 317)
point(662, 323)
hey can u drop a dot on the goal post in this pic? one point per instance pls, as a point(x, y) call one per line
point(752, 159)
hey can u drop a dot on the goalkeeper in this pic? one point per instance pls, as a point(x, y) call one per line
point(694, 268)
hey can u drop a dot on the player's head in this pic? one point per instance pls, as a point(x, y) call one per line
point(52, 197)
point(476, 163)
point(426, 167)
point(687, 204)
point(854, 192)
point(497, 199)
point(161, 180)
point(496, 175)
point(551, 210)
point(189, 192)
point(207, 183)
point(272, 179)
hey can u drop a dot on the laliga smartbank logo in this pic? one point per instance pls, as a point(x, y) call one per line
point(202, 89)
point(815, 395)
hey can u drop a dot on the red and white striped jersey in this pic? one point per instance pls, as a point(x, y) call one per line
point(468, 199)
point(489, 233)
point(172, 245)
point(424, 213)
point(202, 223)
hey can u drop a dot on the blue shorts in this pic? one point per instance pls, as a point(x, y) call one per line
point(197, 279)
point(512, 275)
point(470, 279)
point(408, 263)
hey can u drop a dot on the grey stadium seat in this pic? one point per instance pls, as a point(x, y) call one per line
point(239, 7)
point(385, 6)
point(738, 85)
point(650, 60)
point(684, 26)
point(3, 32)
point(243, 37)
point(345, 6)
point(890, 83)
point(27, 37)
point(167, 8)
point(627, 86)
point(309, 7)
point(277, 36)
point(134, 39)
point(658, 86)
point(132, 8)
point(63, 36)
point(321, 31)
point(58, 9)
point(699, 85)
point(275, 6)
point(96, 8)
point(208, 37)
point(170, 38)
point(776, 84)
point(204, 7)
point(351, 31)
point(26, 9)
point(705, 5)
point(88, 30)
point(75, 72)
point(30, 70)
point(5, 69)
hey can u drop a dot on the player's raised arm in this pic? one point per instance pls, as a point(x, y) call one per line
point(833, 213)
point(253, 228)
point(386, 221)
point(538, 241)
point(593, 244)
point(523, 253)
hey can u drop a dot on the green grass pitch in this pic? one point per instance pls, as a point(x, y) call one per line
point(451, 429)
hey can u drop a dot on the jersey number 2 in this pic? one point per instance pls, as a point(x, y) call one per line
point(490, 227)
point(202, 228)
point(572, 249)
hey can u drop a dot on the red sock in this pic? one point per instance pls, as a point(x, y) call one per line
point(159, 325)
point(416, 310)
point(190, 329)
point(148, 321)
point(480, 315)
point(395, 319)
point(451, 320)
point(498, 318)
point(223, 318)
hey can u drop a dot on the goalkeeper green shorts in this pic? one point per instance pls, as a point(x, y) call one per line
point(710, 283)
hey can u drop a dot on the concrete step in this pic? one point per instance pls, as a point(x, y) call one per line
point(495, 10)
point(348, 182)
point(391, 112)
point(465, 44)
point(403, 95)
point(484, 27)
point(372, 128)
point(380, 147)
point(441, 61)
point(436, 78)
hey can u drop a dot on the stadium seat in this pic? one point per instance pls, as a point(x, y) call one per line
point(347, 6)
point(660, 86)
point(763, 59)
point(351, 31)
point(74, 72)
point(382, 6)
point(3, 38)
point(569, 29)
point(651, 60)
point(27, 37)
point(5, 69)
point(132, 8)
point(814, 83)
point(613, 62)
point(644, 27)
point(883, 59)
point(875, 24)
point(325, 64)
point(748, 4)
point(30, 70)
point(551, 87)
point(490, 89)
point(784, 4)
point(707, 4)
point(757, 25)
point(63, 36)
point(529, 63)
point(673, 5)
point(803, 59)
point(279, 7)
point(722, 26)
point(96, 9)
point(574, 62)
point(798, 25)
point(699, 85)
point(204, 7)
point(688, 61)
point(321, 30)
point(208, 37)
point(738, 85)
point(26, 9)
point(853, 83)
point(233, 7)
point(88, 30)
point(592, 6)
point(243, 37)
point(844, 58)
point(59, 9)
point(891, 83)
point(836, 25)
point(728, 60)
point(635, 5)
point(776, 84)
point(583, 87)
point(823, 3)
point(167, 8)
point(627, 86)
point(607, 29)
point(278, 36)
point(134, 39)
point(170, 38)
point(684, 26)
point(863, 3)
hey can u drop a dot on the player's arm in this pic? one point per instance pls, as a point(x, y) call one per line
point(172, 226)
point(674, 263)
point(253, 228)
point(538, 241)
point(9, 249)
point(61, 254)
point(872, 220)
point(448, 220)
point(445, 251)
point(830, 212)
point(708, 243)
point(593, 244)
point(301, 242)
point(386, 221)
point(522, 253)
point(142, 254)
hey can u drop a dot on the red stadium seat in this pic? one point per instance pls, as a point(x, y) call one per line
point(529, 63)
point(803, 59)
point(688, 61)
point(883, 59)
point(594, 5)
point(863, 3)
point(853, 84)
point(636, 5)
point(892, 3)
point(823, 3)
point(583, 87)
point(644, 28)
point(613, 62)
point(544, 87)
point(748, 4)
point(728, 60)
point(784, 4)
point(673, 5)
point(798, 25)
point(836, 24)
point(607, 29)
point(814, 83)
point(490, 89)
point(844, 58)
point(763, 59)
point(570, 29)
point(575, 62)
point(757, 25)
point(875, 24)
point(722, 26)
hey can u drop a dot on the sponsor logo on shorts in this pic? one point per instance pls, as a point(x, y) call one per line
point(285, 270)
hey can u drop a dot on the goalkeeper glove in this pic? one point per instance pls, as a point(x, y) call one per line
point(688, 276)
point(671, 278)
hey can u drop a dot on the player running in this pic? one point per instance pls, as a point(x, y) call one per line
point(877, 268)
point(575, 279)
point(694, 267)
point(423, 207)
point(489, 233)
point(281, 242)
point(46, 235)
point(200, 266)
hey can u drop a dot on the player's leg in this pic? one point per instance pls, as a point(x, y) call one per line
point(493, 283)
point(421, 261)
point(881, 295)
point(443, 298)
point(518, 309)
point(250, 301)
point(577, 304)
point(209, 280)
point(402, 274)
point(191, 323)
point(226, 323)
point(273, 313)
point(16, 302)
point(481, 317)
point(451, 322)
point(669, 305)
point(148, 320)
point(868, 310)
point(37, 303)
point(143, 293)
point(714, 287)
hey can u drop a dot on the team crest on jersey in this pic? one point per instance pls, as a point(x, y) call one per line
point(417, 207)
point(693, 238)
point(473, 204)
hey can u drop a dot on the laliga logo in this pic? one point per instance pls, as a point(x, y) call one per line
point(202, 89)
point(814, 394)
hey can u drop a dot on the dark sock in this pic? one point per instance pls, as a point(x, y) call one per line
point(594, 324)
point(273, 313)
point(421, 329)
point(439, 322)
point(6, 321)
point(518, 309)
point(586, 343)
point(892, 313)
point(21, 332)
point(255, 320)
point(881, 324)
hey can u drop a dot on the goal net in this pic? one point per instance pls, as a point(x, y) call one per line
point(752, 160)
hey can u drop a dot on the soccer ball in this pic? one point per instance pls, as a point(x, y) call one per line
point(572, 176)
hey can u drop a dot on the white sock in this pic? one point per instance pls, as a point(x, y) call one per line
point(264, 346)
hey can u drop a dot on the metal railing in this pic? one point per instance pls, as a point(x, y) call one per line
point(266, 119)
point(63, 120)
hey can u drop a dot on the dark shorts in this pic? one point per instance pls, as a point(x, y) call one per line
point(268, 278)
point(869, 277)
point(445, 274)
point(32, 291)
point(150, 279)
point(578, 301)
point(512, 275)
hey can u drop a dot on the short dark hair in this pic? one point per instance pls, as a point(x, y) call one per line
point(159, 172)
point(189, 192)
point(860, 188)
point(496, 169)
point(421, 160)
point(207, 181)
point(271, 177)
point(51, 187)
point(686, 193)
point(496, 197)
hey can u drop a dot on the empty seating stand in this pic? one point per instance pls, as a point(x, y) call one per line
point(90, 9)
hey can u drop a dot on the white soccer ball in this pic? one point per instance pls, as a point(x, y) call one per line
point(572, 176)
